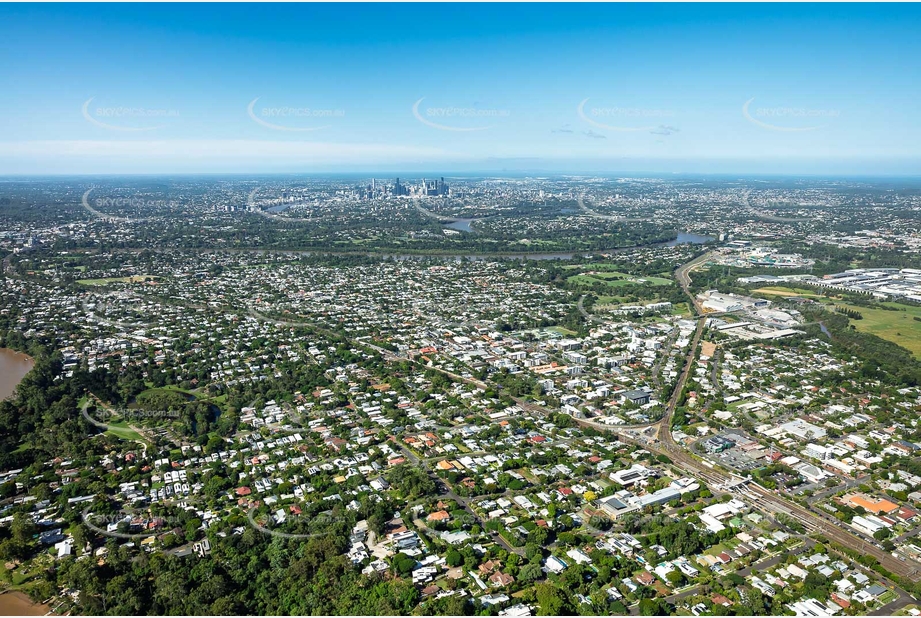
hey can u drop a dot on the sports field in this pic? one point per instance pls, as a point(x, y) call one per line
point(616, 279)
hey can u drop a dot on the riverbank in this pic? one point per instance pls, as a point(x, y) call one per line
point(19, 604)
point(13, 368)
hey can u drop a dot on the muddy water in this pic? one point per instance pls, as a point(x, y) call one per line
point(18, 604)
point(13, 366)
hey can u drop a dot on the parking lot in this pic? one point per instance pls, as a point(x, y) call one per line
point(733, 457)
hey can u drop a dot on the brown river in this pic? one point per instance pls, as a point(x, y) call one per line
point(18, 604)
point(13, 366)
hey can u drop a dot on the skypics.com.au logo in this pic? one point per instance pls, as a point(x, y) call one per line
point(122, 203)
point(623, 119)
point(458, 119)
point(129, 119)
point(268, 524)
point(134, 414)
point(270, 117)
point(788, 119)
point(129, 526)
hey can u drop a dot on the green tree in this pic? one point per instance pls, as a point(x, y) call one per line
point(551, 600)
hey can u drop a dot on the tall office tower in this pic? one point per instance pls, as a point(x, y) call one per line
point(433, 187)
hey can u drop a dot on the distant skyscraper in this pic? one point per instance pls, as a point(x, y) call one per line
point(434, 187)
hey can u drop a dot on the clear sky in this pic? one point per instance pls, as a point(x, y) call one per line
point(792, 89)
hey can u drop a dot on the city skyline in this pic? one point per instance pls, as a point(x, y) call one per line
point(455, 309)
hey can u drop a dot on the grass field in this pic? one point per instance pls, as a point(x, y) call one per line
point(681, 309)
point(107, 281)
point(616, 279)
point(120, 429)
point(897, 326)
point(169, 388)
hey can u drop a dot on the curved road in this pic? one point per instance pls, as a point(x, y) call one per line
point(665, 444)
point(105, 427)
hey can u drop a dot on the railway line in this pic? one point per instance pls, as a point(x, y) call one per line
point(660, 441)
point(656, 437)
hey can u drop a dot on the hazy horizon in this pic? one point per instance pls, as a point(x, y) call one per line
point(764, 89)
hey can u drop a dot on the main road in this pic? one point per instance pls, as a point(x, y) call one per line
point(661, 441)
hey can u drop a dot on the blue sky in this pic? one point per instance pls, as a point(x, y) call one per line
point(792, 89)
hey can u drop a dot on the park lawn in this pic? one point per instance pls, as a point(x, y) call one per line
point(653, 280)
point(583, 279)
point(607, 275)
point(107, 281)
point(562, 331)
point(120, 429)
point(177, 396)
point(616, 279)
point(896, 326)
point(614, 276)
point(169, 388)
